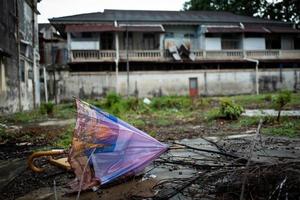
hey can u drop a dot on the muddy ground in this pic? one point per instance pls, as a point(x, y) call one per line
point(177, 168)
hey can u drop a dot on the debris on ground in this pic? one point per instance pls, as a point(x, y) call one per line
point(202, 168)
point(245, 165)
point(270, 112)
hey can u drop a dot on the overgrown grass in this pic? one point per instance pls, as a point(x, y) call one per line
point(165, 111)
point(286, 128)
point(65, 139)
point(263, 101)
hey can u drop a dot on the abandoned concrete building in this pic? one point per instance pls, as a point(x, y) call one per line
point(149, 53)
point(53, 58)
point(19, 56)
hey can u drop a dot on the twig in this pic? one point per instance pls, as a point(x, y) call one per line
point(54, 188)
point(212, 151)
point(214, 143)
point(183, 163)
point(249, 158)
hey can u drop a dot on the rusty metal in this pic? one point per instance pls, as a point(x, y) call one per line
point(39, 154)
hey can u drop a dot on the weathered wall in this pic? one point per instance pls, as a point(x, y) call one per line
point(213, 43)
point(254, 43)
point(91, 44)
point(8, 58)
point(17, 80)
point(9, 92)
point(151, 83)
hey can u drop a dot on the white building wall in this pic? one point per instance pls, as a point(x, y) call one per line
point(254, 44)
point(210, 82)
point(84, 45)
point(213, 43)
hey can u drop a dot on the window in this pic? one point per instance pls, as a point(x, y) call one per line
point(86, 35)
point(2, 75)
point(130, 40)
point(273, 42)
point(297, 43)
point(231, 41)
point(150, 42)
point(22, 70)
point(107, 41)
point(54, 51)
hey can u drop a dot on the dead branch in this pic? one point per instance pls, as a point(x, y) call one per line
point(242, 160)
point(250, 156)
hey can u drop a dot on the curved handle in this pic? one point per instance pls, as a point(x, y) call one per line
point(41, 154)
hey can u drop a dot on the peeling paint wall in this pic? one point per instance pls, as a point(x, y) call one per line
point(18, 56)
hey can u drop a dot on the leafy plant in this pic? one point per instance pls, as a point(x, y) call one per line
point(47, 108)
point(268, 98)
point(280, 100)
point(230, 110)
point(111, 99)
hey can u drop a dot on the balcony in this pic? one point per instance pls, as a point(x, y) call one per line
point(78, 56)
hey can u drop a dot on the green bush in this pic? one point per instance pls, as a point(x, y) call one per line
point(111, 99)
point(280, 100)
point(230, 110)
point(47, 108)
point(268, 97)
point(132, 104)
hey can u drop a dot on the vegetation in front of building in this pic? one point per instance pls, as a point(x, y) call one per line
point(167, 112)
point(280, 100)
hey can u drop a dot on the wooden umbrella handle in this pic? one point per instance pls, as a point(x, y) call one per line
point(41, 154)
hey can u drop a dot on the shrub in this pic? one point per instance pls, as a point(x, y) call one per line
point(230, 110)
point(111, 99)
point(47, 108)
point(280, 100)
point(132, 104)
point(268, 97)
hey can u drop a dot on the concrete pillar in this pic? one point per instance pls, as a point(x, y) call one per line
point(117, 59)
point(45, 84)
point(161, 44)
point(69, 40)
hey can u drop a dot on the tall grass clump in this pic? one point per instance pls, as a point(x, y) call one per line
point(169, 102)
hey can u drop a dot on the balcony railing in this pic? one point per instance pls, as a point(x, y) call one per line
point(157, 55)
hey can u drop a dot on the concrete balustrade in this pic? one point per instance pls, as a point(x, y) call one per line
point(158, 55)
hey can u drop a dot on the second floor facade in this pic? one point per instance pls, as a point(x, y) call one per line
point(169, 36)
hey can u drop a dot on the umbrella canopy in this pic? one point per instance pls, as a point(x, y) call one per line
point(111, 147)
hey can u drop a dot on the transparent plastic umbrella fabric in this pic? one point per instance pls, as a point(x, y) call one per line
point(114, 147)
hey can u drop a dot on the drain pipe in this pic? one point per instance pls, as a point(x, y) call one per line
point(117, 59)
point(256, 73)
